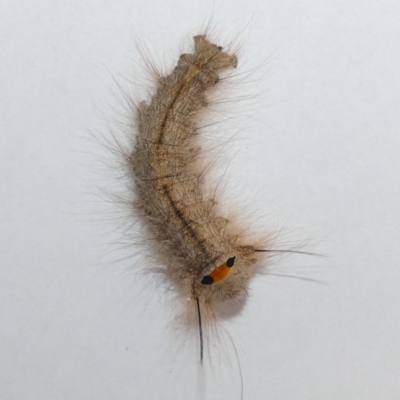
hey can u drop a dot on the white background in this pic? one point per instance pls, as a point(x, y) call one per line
point(319, 160)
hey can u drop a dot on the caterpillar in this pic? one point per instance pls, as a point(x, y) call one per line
point(207, 257)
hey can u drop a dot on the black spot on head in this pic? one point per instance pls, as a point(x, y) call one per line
point(220, 48)
point(230, 262)
point(207, 280)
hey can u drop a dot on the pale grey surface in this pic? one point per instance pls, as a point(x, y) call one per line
point(320, 160)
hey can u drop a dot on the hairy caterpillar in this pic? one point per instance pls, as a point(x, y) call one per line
point(207, 257)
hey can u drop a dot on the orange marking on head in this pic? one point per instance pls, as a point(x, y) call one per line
point(220, 273)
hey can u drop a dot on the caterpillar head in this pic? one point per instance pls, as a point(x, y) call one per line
point(226, 278)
